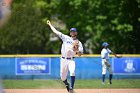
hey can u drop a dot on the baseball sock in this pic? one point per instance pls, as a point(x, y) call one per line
point(103, 77)
point(110, 78)
point(72, 82)
point(66, 84)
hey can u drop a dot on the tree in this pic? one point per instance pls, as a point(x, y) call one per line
point(25, 32)
point(116, 22)
point(101, 20)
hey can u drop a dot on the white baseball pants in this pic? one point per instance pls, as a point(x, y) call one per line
point(104, 68)
point(65, 66)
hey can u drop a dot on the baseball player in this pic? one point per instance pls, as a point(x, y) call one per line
point(105, 62)
point(70, 47)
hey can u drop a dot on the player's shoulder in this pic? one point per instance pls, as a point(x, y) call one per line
point(80, 42)
point(66, 36)
point(104, 50)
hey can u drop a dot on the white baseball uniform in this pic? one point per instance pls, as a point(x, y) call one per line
point(105, 56)
point(67, 62)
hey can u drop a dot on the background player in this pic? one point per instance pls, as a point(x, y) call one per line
point(105, 62)
point(71, 46)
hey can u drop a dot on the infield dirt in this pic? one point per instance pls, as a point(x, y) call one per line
point(76, 91)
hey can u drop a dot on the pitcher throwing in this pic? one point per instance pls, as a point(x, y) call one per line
point(70, 47)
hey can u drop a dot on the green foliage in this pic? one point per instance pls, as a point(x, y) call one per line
point(26, 33)
point(115, 21)
point(101, 20)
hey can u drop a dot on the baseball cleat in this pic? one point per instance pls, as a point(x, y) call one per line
point(103, 83)
point(67, 87)
point(110, 82)
point(71, 91)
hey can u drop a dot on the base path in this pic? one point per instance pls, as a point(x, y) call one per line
point(76, 91)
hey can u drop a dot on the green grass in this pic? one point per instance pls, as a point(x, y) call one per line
point(84, 84)
point(126, 83)
point(31, 84)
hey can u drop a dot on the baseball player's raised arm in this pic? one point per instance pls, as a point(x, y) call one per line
point(61, 35)
point(53, 29)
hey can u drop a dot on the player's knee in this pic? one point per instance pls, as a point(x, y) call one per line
point(110, 72)
point(104, 72)
point(63, 78)
point(72, 74)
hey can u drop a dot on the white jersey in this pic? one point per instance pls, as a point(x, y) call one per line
point(105, 53)
point(67, 46)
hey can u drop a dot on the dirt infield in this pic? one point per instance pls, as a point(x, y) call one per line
point(76, 91)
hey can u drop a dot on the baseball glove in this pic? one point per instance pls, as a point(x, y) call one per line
point(76, 45)
point(107, 64)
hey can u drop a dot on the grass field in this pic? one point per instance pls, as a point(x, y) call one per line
point(79, 84)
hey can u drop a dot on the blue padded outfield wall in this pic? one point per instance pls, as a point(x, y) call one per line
point(45, 67)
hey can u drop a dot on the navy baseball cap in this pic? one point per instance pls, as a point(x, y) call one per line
point(73, 30)
point(105, 44)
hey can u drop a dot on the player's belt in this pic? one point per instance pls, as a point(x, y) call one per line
point(68, 58)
